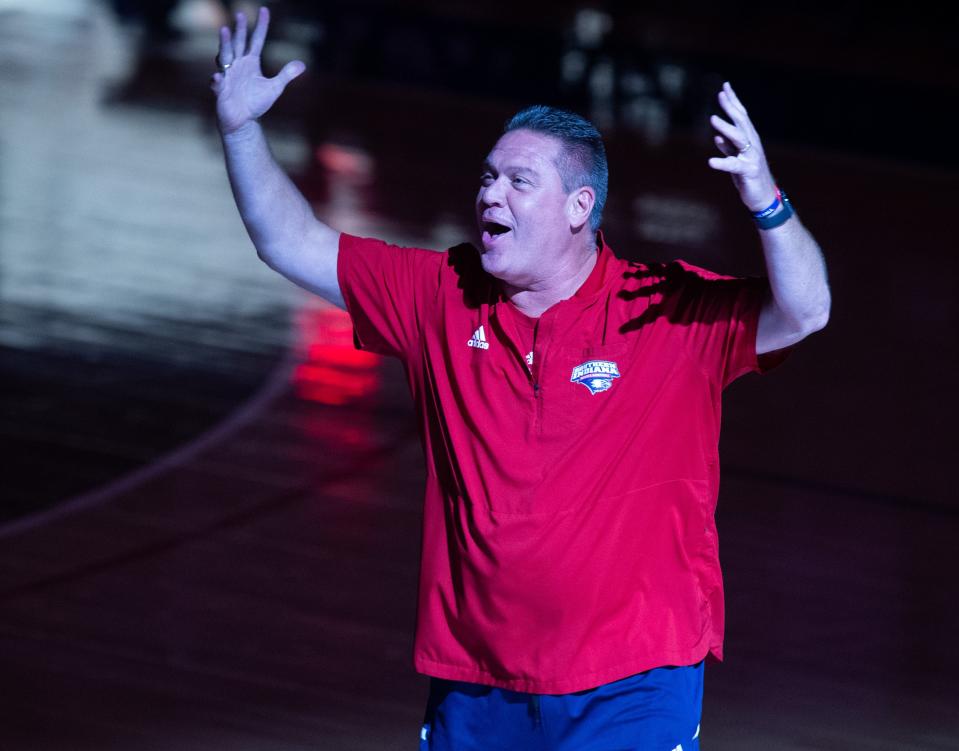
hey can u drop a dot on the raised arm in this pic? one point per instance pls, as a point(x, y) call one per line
point(287, 235)
point(800, 300)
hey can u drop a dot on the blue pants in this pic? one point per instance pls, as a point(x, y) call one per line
point(658, 710)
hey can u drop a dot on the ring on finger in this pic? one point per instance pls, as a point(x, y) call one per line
point(223, 66)
point(745, 148)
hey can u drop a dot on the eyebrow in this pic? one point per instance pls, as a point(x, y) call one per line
point(515, 169)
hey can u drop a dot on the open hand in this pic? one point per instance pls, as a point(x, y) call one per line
point(745, 160)
point(242, 92)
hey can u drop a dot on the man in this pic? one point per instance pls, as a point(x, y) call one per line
point(569, 409)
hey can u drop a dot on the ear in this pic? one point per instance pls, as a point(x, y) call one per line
point(579, 206)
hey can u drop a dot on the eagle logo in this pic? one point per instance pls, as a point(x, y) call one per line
point(596, 375)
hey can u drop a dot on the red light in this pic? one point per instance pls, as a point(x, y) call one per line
point(333, 371)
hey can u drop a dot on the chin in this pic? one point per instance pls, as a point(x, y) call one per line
point(490, 261)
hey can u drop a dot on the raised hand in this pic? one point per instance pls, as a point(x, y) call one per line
point(242, 92)
point(745, 160)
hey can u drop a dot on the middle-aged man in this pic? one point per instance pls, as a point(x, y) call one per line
point(569, 407)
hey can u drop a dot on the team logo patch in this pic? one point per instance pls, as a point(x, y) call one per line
point(596, 375)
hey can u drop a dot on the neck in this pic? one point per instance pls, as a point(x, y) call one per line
point(562, 284)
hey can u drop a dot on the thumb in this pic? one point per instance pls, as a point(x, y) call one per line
point(290, 71)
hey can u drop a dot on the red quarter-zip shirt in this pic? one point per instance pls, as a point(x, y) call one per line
point(568, 525)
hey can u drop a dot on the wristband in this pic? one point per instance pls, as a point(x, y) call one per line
point(771, 207)
point(765, 221)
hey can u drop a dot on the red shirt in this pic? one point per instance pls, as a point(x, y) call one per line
point(568, 528)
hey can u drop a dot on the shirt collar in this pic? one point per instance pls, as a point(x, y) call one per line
point(600, 274)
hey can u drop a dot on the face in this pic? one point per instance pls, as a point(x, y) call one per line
point(525, 217)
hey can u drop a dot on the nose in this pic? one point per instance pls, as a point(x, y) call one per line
point(492, 194)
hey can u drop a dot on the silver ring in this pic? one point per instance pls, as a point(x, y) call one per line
point(224, 66)
point(745, 148)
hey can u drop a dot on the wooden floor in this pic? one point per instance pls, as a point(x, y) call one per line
point(211, 502)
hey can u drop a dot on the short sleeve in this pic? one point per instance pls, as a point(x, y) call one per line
point(719, 317)
point(388, 290)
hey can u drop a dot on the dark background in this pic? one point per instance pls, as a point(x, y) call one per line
point(211, 502)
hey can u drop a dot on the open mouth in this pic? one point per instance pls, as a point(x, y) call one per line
point(494, 230)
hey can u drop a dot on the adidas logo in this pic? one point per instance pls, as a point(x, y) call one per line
point(478, 339)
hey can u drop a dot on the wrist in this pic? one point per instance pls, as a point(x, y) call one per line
point(241, 132)
point(776, 213)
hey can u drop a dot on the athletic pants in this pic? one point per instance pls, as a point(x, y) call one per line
point(658, 710)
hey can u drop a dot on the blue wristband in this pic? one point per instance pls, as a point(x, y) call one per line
point(769, 209)
point(765, 221)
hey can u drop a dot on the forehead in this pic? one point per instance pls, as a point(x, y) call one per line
point(526, 149)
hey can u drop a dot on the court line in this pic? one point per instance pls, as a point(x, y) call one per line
point(276, 382)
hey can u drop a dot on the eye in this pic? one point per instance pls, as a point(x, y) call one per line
point(520, 181)
point(486, 179)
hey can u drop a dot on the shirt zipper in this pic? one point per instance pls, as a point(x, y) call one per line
point(535, 372)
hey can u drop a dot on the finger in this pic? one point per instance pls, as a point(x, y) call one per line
point(259, 33)
point(733, 134)
point(732, 109)
point(732, 95)
point(737, 113)
point(225, 54)
point(289, 71)
point(216, 80)
point(239, 39)
point(724, 146)
point(731, 164)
